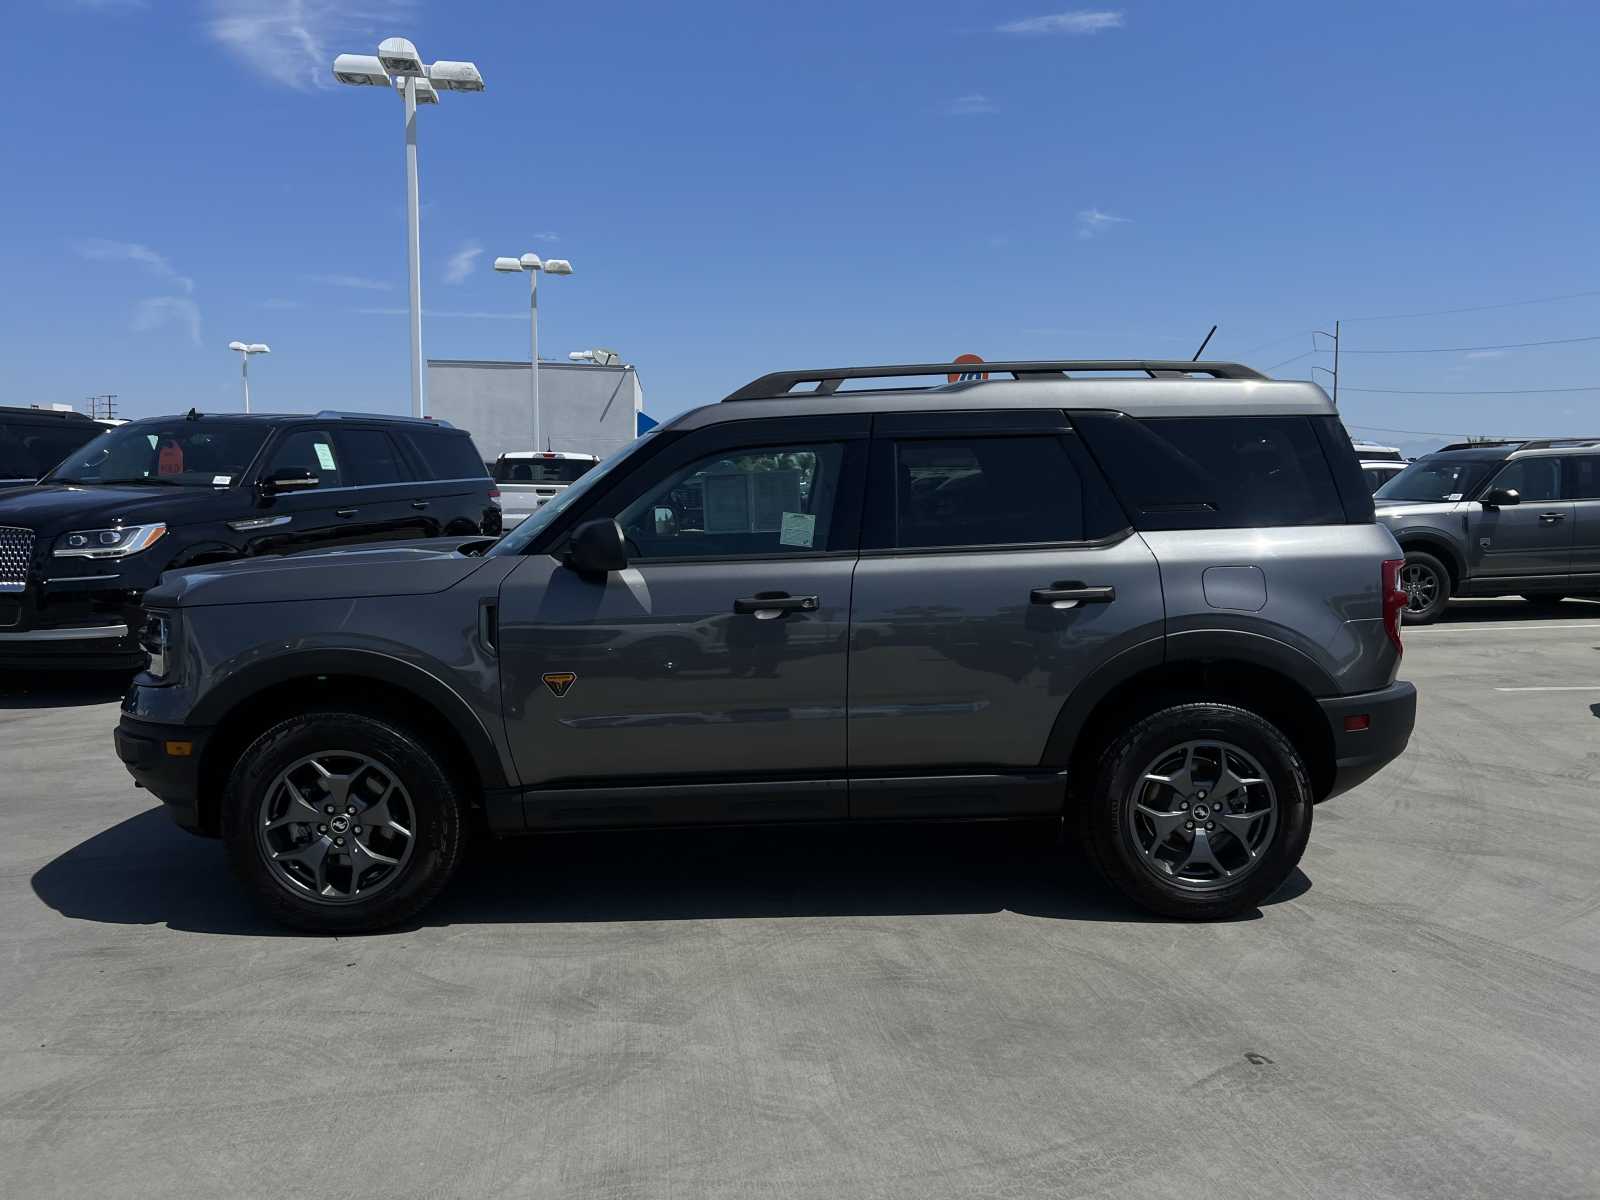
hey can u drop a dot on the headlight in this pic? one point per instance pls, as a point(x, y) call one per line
point(156, 641)
point(109, 543)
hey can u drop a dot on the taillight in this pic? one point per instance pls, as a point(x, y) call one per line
point(494, 493)
point(1394, 599)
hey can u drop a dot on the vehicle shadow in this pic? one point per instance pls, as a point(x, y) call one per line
point(145, 871)
point(1512, 608)
point(60, 689)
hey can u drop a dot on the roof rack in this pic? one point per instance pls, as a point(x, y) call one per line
point(1521, 443)
point(782, 383)
point(372, 416)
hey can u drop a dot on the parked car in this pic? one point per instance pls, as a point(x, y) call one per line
point(531, 478)
point(34, 440)
point(1493, 518)
point(79, 549)
point(1157, 608)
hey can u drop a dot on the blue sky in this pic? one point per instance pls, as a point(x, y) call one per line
point(748, 186)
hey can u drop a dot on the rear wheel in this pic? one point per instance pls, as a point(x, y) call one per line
point(1199, 811)
point(1426, 584)
point(340, 822)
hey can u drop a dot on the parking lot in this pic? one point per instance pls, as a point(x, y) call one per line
point(955, 1011)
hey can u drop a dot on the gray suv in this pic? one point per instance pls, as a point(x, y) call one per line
point(1493, 518)
point(1147, 599)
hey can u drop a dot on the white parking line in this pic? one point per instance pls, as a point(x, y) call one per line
point(1581, 687)
point(1545, 627)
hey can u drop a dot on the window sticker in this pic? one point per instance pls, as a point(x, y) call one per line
point(221, 480)
point(1455, 496)
point(325, 456)
point(799, 529)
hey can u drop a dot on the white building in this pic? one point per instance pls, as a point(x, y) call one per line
point(582, 407)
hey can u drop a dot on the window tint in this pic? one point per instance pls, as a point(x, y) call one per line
point(1533, 478)
point(370, 456)
point(311, 450)
point(1215, 472)
point(541, 470)
point(984, 491)
point(29, 451)
point(1582, 475)
point(446, 455)
point(758, 503)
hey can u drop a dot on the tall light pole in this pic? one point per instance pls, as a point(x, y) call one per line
point(398, 65)
point(245, 351)
point(533, 265)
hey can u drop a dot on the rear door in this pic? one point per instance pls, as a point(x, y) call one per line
point(385, 500)
point(452, 495)
point(996, 574)
point(1580, 480)
point(1527, 541)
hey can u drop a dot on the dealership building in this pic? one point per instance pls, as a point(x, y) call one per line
point(590, 408)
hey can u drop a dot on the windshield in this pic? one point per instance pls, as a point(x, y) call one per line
point(174, 453)
point(1439, 480)
point(537, 523)
point(541, 470)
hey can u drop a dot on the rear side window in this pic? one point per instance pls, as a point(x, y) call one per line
point(446, 455)
point(371, 457)
point(1214, 472)
point(1581, 474)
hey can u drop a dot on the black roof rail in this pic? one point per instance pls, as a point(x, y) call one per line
point(1551, 443)
point(339, 414)
point(64, 414)
point(782, 383)
point(1520, 443)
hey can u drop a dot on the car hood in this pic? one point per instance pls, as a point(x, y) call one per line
point(391, 569)
point(51, 508)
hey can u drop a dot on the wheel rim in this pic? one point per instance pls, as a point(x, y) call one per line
point(336, 827)
point(1202, 815)
point(1421, 585)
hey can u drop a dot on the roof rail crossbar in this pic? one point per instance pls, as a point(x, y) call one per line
point(782, 383)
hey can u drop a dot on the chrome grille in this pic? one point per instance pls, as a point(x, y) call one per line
point(16, 557)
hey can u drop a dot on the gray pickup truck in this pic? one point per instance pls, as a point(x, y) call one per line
point(1144, 599)
point(1497, 518)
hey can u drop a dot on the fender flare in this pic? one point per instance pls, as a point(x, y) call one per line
point(1437, 545)
point(240, 687)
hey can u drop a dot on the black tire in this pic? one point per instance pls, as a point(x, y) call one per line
point(1419, 566)
point(434, 797)
point(1112, 846)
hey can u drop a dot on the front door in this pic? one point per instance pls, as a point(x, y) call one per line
point(716, 657)
point(1530, 541)
point(996, 574)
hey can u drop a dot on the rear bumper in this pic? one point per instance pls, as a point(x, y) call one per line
point(1359, 754)
point(154, 756)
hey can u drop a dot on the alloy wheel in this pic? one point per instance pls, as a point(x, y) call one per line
point(1420, 583)
point(1203, 815)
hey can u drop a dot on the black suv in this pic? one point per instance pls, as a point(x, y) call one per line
point(34, 440)
point(79, 549)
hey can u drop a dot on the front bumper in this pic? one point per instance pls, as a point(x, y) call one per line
point(67, 625)
point(165, 760)
point(1361, 753)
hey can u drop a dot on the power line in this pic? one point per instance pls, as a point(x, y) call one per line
point(1500, 346)
point(1296, 358)
point(1412, 432)
point(1446, 312)
point(1472, 392)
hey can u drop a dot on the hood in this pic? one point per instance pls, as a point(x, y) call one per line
point(51, 508)
point(391, 569)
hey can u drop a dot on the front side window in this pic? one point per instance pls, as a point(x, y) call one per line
point(309, 450)
point(1532, 478)
point(179, 453)
point(757, 503)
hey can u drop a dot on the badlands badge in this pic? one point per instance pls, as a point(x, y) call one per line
point(559, 682)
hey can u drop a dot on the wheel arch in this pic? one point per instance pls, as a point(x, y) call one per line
point(1438, 546)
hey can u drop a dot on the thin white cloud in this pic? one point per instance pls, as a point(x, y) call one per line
point(160, 311)
point(1486, 354)
point(460, 264)
point(442, 312)
point(973, 104)
point(294, 42)
point(1092, 222)
point(358, 282)
point(1079, 23)
point(547, 237)
point(106, 250)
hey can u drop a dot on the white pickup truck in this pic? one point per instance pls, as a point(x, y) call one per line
point(529, 478)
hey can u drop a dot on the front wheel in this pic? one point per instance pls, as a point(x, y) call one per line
point(1426, 584)
point(339, 822)
point(1199, 811)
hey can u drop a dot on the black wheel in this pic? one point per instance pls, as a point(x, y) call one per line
point(1426, 583)
point(1199, 811)
point(338, 822)
point(1543, 600)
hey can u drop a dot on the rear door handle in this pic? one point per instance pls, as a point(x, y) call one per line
point(1552, 518)
point(764, 606)
point(344, 512)
point(419, 505)
point(1070, 595)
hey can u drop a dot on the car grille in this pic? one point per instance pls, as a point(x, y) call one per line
point(16, 556)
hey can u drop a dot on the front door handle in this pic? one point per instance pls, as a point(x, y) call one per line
point(1070, 595)
point(419, 505)
point(344, 512)
point(1552, 518)
point(765, 606)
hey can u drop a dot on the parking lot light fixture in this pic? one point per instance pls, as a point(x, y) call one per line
point(246, 349)
point(534, 266)
point(397, 65)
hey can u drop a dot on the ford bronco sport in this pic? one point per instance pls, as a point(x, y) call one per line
point(1145, 598)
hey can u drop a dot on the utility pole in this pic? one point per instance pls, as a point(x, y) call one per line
point(1335, 336)
point(108, 400)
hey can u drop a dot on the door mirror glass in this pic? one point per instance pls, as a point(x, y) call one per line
point(597, 547)
point(1502, 497)
point(289, 479)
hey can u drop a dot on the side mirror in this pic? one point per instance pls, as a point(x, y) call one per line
point(1502, 498)
point(287, 479)
point(597, 547)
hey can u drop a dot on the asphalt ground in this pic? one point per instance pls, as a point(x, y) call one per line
point(955, 1011)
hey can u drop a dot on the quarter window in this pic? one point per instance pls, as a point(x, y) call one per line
point(1533, 478)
